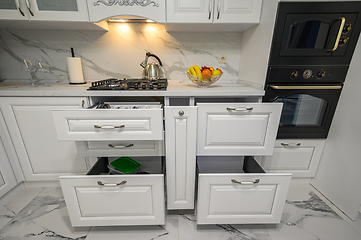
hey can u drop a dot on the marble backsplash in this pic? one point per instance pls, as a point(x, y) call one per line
point(118, 52)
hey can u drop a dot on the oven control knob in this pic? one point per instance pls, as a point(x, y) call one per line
point(346, 28)
point(321, 74)
point(307, 74)
point(343, 41)
point(293, 74)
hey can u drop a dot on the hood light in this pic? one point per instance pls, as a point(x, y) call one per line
point(130, 20)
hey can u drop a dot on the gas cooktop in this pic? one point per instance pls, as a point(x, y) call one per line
point(129, 84)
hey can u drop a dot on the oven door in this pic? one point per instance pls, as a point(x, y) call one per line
point(307, 109)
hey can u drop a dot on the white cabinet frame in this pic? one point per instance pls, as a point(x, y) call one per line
point(181, 129)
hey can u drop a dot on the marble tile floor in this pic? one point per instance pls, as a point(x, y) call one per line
point(40, 213)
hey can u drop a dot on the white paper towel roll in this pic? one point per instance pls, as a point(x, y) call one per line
point(75, 70)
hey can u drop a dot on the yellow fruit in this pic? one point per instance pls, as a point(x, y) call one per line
point(212, 69)
point(193, 72)
point(216, 73)
point(198, 71)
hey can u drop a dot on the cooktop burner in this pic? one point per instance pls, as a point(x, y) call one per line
point(129, 84)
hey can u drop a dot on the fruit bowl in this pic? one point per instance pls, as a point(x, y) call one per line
point(204, 77)
point(204, 82)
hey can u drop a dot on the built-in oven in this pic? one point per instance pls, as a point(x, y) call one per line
point(307, 109)
point(312, 46)
point(308, 33)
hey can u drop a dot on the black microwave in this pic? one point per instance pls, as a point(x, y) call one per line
point(315, 33)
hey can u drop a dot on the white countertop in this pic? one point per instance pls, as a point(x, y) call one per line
point(175, 88)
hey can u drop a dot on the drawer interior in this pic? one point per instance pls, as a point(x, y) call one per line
point(148, 165)
point(117, 99)
point(228, 164)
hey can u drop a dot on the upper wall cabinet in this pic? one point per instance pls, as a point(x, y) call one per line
point(103, 9)
point(213, 11)
point(50, 10)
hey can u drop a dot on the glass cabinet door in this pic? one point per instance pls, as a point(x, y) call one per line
point(12, 10)
point(58, 10)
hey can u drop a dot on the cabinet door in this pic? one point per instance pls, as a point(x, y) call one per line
point(152, 9)
point(7, 177)
point(13, 10)
point(58, 10)
point(237, 128)
point(235, 11)
point(32, 129)
point(191, 11)
point(181, 128)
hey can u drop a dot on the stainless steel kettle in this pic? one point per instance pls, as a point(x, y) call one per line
point(152, 70)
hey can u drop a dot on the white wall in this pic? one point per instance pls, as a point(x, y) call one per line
point(338, 176)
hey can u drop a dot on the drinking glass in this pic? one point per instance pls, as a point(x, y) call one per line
point(27, 66)
point(42, 67)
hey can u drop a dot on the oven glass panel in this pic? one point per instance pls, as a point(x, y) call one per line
point(302, 110)
point(309, 35)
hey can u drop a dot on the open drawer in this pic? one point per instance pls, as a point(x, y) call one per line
point(120, 122)
point(100, 199)
point(236, 190)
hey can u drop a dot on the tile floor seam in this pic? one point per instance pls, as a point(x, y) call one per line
point(21, 208)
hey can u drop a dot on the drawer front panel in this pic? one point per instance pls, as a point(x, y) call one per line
point(237, 128)
point(221, 201)
point(297, 156)
point(121, 148)
point(109, 124)
point(138, 201)
point(118, 201)
point(238, 199)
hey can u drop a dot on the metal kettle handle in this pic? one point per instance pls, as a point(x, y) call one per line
point(153, 55)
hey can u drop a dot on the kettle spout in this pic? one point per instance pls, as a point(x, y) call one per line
point(145, 62)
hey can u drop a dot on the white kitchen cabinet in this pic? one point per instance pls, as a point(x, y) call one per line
point(109, 124)
point(31, 126)
point(180, 140)
point(238, 191)
point(214, 11)
point(7, 176)
point(12, 9)
point(297, 156)
point(54, 10)
point(150, 9)
point(99, 199)
point(226, 129)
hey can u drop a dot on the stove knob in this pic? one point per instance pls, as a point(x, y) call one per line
point(159, 86)
point(294, 74)
point(136, 86)
point(151, 86)
point(144, 86)
point(321, 74)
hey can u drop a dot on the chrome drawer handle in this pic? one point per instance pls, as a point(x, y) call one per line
point(290, 144)
point(248, 183)
point(111, 184)
point(109, 126)
point(120, 146)
point(241, 109)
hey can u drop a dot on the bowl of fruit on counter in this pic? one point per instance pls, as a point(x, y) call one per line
point(204, 76)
